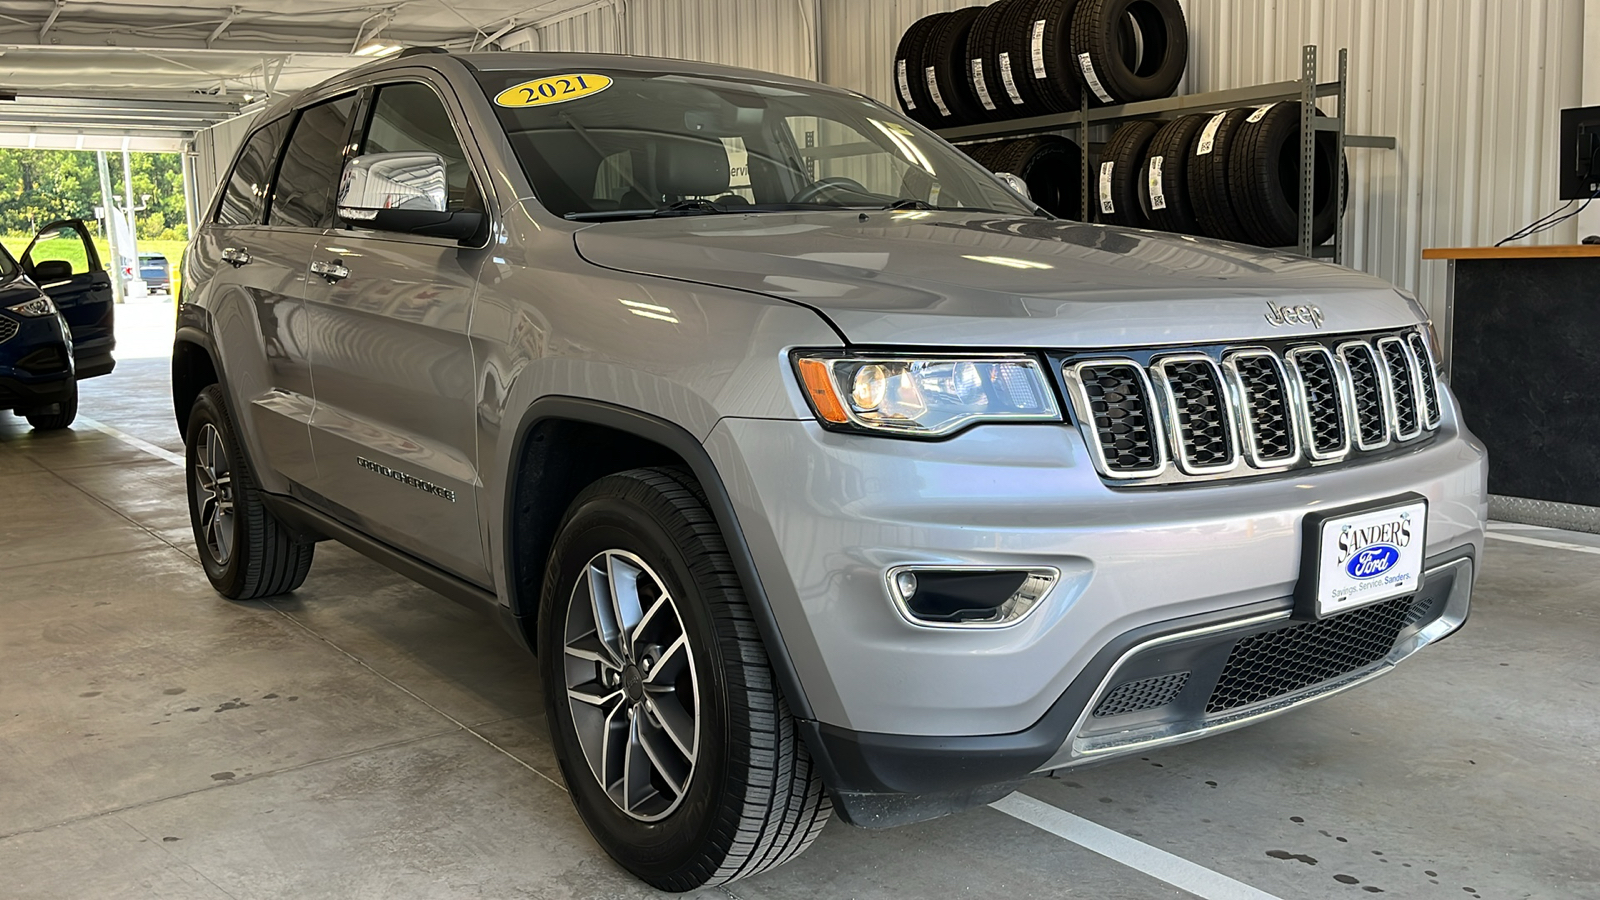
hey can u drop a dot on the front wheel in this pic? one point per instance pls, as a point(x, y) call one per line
point(679, 751)
point(55, 416)
point(247, 554)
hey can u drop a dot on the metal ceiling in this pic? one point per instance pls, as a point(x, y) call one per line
point(147, 74)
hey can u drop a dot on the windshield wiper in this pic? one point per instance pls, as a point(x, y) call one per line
point(688, 207)
point(680, 208)
point(911, 204)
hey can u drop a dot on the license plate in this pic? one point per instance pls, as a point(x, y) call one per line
point(1361, 555)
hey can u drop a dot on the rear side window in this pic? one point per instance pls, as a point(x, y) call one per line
point(246, 192)
point(303, 194)
point(410, 117)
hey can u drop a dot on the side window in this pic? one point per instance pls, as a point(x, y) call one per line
point(246, 191)
point(303, 193)
point(410, 117)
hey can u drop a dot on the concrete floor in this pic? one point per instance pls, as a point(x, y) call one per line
point(366, 738)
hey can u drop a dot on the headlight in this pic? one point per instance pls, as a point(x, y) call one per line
point(38, 306)
point(927, 396)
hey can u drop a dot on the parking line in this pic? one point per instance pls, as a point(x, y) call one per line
point(1538, 542)
point(136, 443)
point(1118, 847)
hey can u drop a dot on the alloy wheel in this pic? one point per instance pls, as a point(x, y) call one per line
point(631, 685)
point(213, 480)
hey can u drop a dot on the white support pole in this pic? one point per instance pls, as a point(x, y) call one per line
point(132, 250)
point(108, 204)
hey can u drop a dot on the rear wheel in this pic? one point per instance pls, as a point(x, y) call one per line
point(679, 752)
point(55, 416)
point(247, 554)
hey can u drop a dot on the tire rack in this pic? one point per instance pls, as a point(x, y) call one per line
point(1307, 90)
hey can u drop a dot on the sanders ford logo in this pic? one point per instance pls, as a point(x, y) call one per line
point(1372, 550)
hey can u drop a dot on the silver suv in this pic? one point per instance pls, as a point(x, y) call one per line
point(821, 469)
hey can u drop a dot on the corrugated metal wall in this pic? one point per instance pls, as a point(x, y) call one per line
point(213, 153)
point(1471, 88)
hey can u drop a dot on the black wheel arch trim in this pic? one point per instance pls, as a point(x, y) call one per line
point(678, 440)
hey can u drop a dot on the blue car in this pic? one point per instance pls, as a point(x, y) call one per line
point(56, 318)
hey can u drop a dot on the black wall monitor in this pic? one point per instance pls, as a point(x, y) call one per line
point(1580, 153)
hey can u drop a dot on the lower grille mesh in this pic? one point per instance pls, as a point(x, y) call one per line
point(1280, 662)
point(1146, 693)
point(8, 328)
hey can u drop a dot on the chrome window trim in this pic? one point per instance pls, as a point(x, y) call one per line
point(1341, 380)
point(1418, 342)
point(1386, 413)
point(1169, 406)
point(1077, 751)
point(1246, 419)
point(1083, 412)
point(1418, 407)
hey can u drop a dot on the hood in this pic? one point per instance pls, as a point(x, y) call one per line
point(963, 279)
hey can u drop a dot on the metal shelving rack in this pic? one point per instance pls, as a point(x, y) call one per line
point(1307, 90)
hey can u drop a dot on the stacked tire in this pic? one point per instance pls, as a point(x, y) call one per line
point(1022, 58)
point(1232, 175)
point(1050, 165)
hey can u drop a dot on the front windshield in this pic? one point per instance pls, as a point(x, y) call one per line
point(669, 144)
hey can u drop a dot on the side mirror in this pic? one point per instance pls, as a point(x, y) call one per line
point(1016, 184)
point(404, 193)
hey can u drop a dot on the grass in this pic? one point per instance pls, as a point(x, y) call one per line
point(71, 250)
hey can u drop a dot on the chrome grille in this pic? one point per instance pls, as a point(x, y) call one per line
point(1118, 400)
point(1403, 387)
point(1269, 430)
point(8, 329)
point(1430, 390)
point(1242, 410)
point(1197, 410)
point(1367, 394)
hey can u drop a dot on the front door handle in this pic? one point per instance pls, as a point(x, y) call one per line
point(236, 256)
point(333, 270)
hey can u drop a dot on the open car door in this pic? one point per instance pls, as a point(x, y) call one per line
point(63, 262)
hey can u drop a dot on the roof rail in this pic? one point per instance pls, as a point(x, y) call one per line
point(420, 51)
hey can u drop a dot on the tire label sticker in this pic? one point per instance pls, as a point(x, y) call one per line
point(1010, 81)
point(1158, 196)
point(1094, 79)
point(905, 85)
point(1260, 113)
point(938, 98)
point(1208, 137)
point(980, 85)
point(1038, 49)
point(1107, 206)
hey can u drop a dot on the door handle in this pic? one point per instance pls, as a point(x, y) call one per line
point(236, 256)
point(332, 270)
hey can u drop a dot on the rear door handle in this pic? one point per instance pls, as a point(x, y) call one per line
point(332, 270)
point(236, 256)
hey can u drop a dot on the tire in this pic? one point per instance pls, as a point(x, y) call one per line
point(1173, 146)
point(983, 65)
point(750, 797)
point(948, 77)
point(983, 154)
point(1052, 168)
point(1137, 49)
point(55, 416)
point(1129, 199)
point(246, 552)
point(1210, 187)
point(912, 91)
point(1057, 91)
point(1263, 168)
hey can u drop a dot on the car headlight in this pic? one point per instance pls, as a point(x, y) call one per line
point(38, 306)
point(924, 396)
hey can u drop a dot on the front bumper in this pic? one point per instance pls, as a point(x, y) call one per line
point(36, 366)
point(955, 715)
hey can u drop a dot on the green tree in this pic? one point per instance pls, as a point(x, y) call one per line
point(40, 186)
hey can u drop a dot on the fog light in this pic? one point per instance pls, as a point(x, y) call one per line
point(968, 597)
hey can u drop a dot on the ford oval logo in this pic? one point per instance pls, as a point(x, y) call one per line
point(1372, 561)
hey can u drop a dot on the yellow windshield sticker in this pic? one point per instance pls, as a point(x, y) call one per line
point(555, 89)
